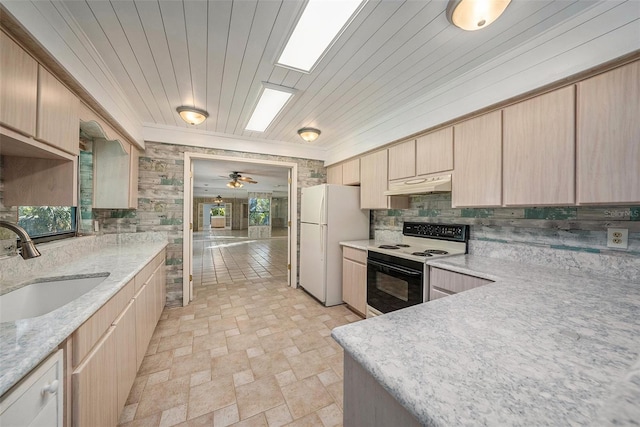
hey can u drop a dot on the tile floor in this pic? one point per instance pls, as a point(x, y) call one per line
point(248, 351)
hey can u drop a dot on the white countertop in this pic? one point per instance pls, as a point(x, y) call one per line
point(25, 343)
point(359, 244)
point(539, 346)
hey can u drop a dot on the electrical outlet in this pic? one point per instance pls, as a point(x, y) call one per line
point(96, 226)
point(617, 238)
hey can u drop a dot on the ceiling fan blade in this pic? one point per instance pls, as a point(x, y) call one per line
point(245, 178)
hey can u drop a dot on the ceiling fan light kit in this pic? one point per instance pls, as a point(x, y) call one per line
point(236, 178)
point(234, 184)
point(472, 15)
point(309, 134)
point(191, 115)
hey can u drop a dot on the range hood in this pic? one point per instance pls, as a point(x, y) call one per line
point(434, 184)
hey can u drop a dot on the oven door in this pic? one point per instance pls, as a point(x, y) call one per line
point(393, 283)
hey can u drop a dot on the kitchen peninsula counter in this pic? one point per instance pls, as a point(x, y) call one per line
point(539, 346)
point(25, 343)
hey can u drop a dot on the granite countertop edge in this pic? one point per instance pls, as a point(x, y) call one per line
point(358, 244)
point(26, 343)
point(356, 338)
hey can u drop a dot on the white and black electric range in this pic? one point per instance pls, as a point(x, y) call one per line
point(397, 276)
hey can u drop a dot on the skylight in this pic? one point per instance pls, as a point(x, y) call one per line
point(320, 25)
point(272, 100)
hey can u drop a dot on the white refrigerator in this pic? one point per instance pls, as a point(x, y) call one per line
point(329, 214)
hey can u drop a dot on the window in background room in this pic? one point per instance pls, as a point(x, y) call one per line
point(259, 211)
point(217, 211)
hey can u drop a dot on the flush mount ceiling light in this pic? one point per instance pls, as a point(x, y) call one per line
point(271, 102)
point(191, 115)
point(471, 15)
point(319, 26)
point(309, 134)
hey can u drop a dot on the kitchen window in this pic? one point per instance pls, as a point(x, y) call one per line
point(44, 223)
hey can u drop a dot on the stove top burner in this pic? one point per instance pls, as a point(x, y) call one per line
point(388, 247)
point(430, 252)
point(421, 254)
point(402, 245)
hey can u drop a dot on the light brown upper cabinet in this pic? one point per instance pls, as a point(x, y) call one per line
point(35, 173)
point(334, 174)
point(608, 137)
point(115, 174)
point(18, 87)
point(347, 173)
point(351, 172)
point(58, 113)
point(373, 184)
point(115, 163)
point(402, 160)
point(539, 150)
point(434, 152)
point(477, 180)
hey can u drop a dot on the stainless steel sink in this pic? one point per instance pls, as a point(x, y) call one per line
point(46, 295)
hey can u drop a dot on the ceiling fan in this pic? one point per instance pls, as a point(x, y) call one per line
point(237, 180)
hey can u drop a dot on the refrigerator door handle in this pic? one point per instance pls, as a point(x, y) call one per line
point(321, 228)
point(323, 210)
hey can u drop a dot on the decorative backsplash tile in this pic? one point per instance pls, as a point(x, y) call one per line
point(561, 230)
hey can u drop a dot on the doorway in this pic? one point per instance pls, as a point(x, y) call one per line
point(214, 216)
point(281, 213)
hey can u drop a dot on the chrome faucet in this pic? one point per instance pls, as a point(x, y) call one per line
point(27, 248)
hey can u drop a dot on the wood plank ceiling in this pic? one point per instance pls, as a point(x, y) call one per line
point(214, 55)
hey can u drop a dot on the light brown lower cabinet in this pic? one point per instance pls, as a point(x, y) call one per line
point(145, 313)
point(126, 362)
point(105, 357)
point(354, 278)
point(443, 283)
point(95, 385)
point(161, 290)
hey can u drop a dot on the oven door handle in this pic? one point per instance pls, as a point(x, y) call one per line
point(394, 268)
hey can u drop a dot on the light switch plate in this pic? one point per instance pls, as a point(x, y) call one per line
point(617, 238)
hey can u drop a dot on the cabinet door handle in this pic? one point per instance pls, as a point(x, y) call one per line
point(50, 388)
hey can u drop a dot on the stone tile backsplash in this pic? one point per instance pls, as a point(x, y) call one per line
point(564, 231)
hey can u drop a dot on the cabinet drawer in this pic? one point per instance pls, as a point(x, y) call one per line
point(27, 405)
point(147, 271)
point(85, 337)
point(353, 254)
point(449, 281)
